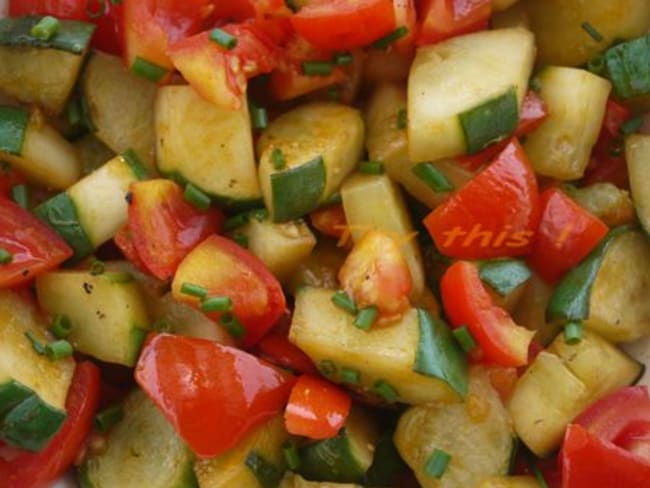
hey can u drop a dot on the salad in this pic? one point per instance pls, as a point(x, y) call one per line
point(325, 243)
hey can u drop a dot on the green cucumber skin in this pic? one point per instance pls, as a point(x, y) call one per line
point(11, 394)
point(13, 126)
point(73, 36)
point(387, 464)
point(298, 190)
point(31, 424)
point(267, 474)
point(504, 275)
point(491, 121)
point(570, 301)
point(629, 59)
point(330, 460)
point(438, 355)
point(137, 337)
point(60, 213)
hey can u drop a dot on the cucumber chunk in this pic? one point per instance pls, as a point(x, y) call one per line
point(637, 154)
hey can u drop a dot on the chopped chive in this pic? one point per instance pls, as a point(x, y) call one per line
point(196, 197)
point(108, 417)
point(58, 350)
point(388, 39)
point(223, 38)
point(591, 30)
point(385, 390)
point(631, 126)
point(267, 474)
point(232, 325)
point(241, 239)
point(402, 119)
point(36, 344)
point(259, 117)
point(317, 68)
point(131, 158)
point(46, 28)
point(97, 267)
point(343, 58)
point(573, 333)
point(537, 473)
point(148, 70)
point(371, 167)
point(277, 158)
point(216, 304)
point(432, 177)
point(350, 376)
point(465, 338)
point(437, 463)
point(259, 214)
point(291, 455)
point(118, 277)
point(20, 195)
point(366, 317)
point(596, 64)
point(344, 301)
point(5, 256)
point(235, 221)
point(61, 326)
point(328, 368)
point(194, 290)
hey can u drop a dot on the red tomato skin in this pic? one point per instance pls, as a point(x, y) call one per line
point(213, 395)
point(317, 409)
point(124, 242)
point(443, 19)
point(276, 348)
point(567, 233)
point(494, 215)
point(341, 24)
point(35, 247)
point(329, 221)
point(39, 470)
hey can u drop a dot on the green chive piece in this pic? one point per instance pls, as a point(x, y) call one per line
point(343, 58)
point(224, 39)
point(344, 301)
point(232, 325)
point(148, 70)
point(385, 390)
point(402, 119)
point(259, 116)
point(277, 158)
point(531, 461)
point(61, 326)
point(631, 126)
point(36, 344)
point(591, 30)
point(196, 197)
point(366, 317)
point(131, 158)
point(97, 267)
point(20, 195)
point(350, 376)
point(58, 350)
point(259, 214)
point(432, 177)
point(465, 338)
point(194, 290)
point(388, 39)
point(328, 368)
point(46, 28)
point(573, 333)
point(235, 221)
point(241, 239)
point(437, 463)
point(291, 455)
point(216, 304)
point(108, 417)
point(5, 256)
point(317, 68)
point(371, 167)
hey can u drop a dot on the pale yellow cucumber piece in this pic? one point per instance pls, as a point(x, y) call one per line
point(637, 154)
point(606, 201)
point(509, 482)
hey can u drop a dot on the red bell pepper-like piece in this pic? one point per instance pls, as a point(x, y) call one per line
point(443, 19)
point(276, 348)
point(494, 215)
point(467, 302)
point(213, 395)
point(317, 408)
point(567, 233)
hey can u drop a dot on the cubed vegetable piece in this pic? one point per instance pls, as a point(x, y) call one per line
point(637, 153)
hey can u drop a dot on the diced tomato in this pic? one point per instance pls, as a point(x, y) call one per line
point(376, 273)
point(9, 178)
point(124, 242)
point(567, 233)
point(226, 269)
point(406, 16)
point(276, 348)
point(39, 470)
point(317, 409)
point(467, 302)
point(213, 395)
point(341, 24)
point(616, 115)
point(165, 227)
point(442, 19)
point(238, 10)
point(494, 215)
point(34, 247)
point(329, 221)
point(503, 380)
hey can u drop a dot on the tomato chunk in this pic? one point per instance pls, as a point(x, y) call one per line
point(442, 19)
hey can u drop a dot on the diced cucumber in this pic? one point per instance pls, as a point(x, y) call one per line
point(576, 101)
point(128, 124)
point(504, 275)
point(477, 435)
point(143, 449)
point(33, 388)
point(239, 466)
point(465, 93)
point(530, 310)
point(509, 482)
point(344, 458)
point(608, 290)
point(387, 464)
point(36, 149)
point(385, 354)
point(606, 201)
point(37, 71)
point(628, 66)
point(374, 202)
point(637, 154)
point(107, 312)
point(208, 146)
point(92, 152)
point(318, 145)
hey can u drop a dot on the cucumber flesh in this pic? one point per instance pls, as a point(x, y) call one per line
point(637, 154)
